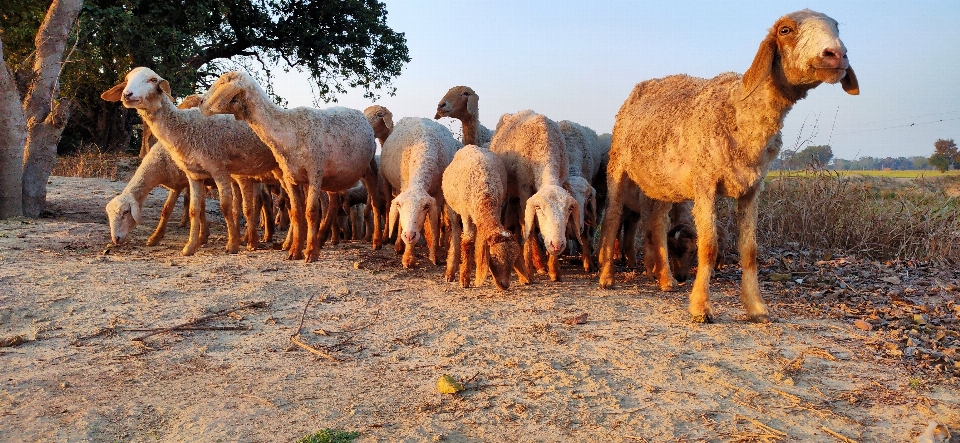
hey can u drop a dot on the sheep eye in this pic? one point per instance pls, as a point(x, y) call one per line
point(153, 80)
point(785, 30)
point(465, 94)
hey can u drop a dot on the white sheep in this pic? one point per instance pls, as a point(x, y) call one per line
point(412, 163)
point(584, 156)
point(318, 150)
point(474, 186)
point(124, 210)
point(462, 103)
point(684, 138)
point(381, 120)
point(532, 150)
point(220, 148)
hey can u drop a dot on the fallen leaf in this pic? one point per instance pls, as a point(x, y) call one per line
point(576, 320)
point(780, 277)
point(863, 325)
point(447, 385)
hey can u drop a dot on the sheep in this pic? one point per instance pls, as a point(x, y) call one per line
point(684, 138)
point(462, 103)
point(584, 155)
point(318, 150)
point(381, 120)
point(474, 186)
point(202, 147)
point(412, 163)
point(124, 210)
point(532, 149)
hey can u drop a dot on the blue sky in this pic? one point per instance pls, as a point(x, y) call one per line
point(578, 60)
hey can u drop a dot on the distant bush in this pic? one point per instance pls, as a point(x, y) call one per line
point(91, 162)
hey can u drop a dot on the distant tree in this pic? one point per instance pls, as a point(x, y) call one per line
point(948, 150)
point(940, 162)
point(820, 155)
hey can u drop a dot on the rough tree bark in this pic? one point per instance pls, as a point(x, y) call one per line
point(45, 113)
point(13, 137)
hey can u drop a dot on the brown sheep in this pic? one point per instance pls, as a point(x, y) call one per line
point(684, 138)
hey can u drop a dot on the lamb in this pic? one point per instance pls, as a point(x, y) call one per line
point(156, 169)
point(532, 149)
point(412, 164)
point(683, 138)
point(584, 156)
point(219, 148)
point(318, 150)
point(474, 185)
point(462, 103)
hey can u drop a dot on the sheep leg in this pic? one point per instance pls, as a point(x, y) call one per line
point(251, 212)
point(197, 191)
point(204, 224)
point(433, 237)
point(749, 286)
point(267, 215)
point(297, 222)
point(586, 252)
point(185, 218)
point(628, 244)
point(658, 257)
point(611, 224)
point(315, 230)
point(705, 217)
point(553, 267)
point(453, 254)
point(227, 207)
point(168, 206)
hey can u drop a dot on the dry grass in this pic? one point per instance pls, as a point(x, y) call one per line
point(91, 162)
point(879, 218)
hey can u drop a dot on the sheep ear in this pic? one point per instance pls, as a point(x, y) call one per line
point(529, 217)
point(592, 206)
point(761, 66)
point(165, 87)
point(135, 212)
point(388, 121)
point(849, 82)
point(392, 218)
point(576, 217)
point(473, 104)
point(115, 93)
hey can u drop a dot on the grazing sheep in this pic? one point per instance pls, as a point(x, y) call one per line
point(584, 156)
point(462, 103)
point(412, 164)
point(474, 186)
point(318, 150)
point(203, 147)
point(532, 149)
point(684, 138)
point(124, 210)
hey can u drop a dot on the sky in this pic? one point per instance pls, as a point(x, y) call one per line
point(578, 60)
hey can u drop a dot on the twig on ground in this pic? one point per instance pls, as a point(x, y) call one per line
point(839, 437)
point(764, 427)
point(182, 326)
point(192, 328)
point(296, 339)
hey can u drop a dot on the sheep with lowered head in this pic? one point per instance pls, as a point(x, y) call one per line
point(684, 138)
point(474, 186)
point(412, 163)
point(532, 149)
point(317, 149)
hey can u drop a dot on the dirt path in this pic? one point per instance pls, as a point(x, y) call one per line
point(636, 371)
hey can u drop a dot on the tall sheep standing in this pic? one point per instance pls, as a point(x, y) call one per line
point(584, 156)
point(463, 103)
point(412, 163)
point(318, 150)
point(203, 147)
point(681, 138)
point(532, 149)
point(474, 186)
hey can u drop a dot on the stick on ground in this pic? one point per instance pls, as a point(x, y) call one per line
point(194, 322)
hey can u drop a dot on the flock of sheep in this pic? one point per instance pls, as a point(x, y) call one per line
point(495, 197)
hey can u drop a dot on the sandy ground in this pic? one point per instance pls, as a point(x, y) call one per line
point(636, 371)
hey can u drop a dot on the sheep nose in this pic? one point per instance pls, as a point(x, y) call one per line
point(409, 237)
point(554, 248)
point(128, 94)
point(116, 240)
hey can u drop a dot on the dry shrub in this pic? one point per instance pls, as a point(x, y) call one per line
point(880, 219)
point(91, 162)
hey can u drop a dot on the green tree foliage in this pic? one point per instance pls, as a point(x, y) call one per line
point(940, 162)
point(341, 44)
point(945, 152)
point(819, 155)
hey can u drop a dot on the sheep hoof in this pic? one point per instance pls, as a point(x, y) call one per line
point(294, 256)
point(554, 277)
point(606, 281)
point(186, 252)
point(153, 241)
point(311, 257)
point(759, 318)
point(703, 318)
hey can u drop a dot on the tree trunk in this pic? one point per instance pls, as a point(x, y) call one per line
point(13, 137)
point(46, 114)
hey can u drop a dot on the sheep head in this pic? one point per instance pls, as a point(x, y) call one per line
point(191, 101)
point(803, 48)
point(381, 119)
point(124, 214)
point(410, 209)
point(584, 194)
point(551, 208)
point(142, 89)
point(682, 248)
point(461, 102)
point(228, 95)
point(500, 252)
